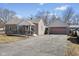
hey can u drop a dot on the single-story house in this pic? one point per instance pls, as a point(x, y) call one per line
point(29, 27)
point(58, 27)
point(2, 24)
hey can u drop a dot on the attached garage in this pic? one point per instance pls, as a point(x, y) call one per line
point(58, 27)
point(57, 30)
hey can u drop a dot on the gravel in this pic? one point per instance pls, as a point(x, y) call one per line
point(46, 45)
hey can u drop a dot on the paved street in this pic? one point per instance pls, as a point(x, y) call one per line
point(47, 45)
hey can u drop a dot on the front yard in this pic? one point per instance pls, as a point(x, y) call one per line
point(73, 47)
point(8, 39)
point(49, 45)
point(72, 50)
point(46, 45)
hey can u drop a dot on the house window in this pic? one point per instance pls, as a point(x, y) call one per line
point(13, 28)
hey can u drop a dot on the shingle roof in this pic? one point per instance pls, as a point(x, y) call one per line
point(25, 22)
point(57, 23)
point(14, 20)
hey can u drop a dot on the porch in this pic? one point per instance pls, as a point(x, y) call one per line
point(19, 30)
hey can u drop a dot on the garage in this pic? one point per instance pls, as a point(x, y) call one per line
point(58, 27)
point(57, 30)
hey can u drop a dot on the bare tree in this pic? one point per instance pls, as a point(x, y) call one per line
point(6, 14)
point(43, 15)
point(53, 18)
point(75, 19)
point(68, 13)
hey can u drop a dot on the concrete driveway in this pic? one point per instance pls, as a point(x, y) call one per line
point(47, 45)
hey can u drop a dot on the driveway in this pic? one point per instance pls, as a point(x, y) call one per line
point(47, 45)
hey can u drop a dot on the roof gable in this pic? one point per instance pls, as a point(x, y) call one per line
point(25, 22)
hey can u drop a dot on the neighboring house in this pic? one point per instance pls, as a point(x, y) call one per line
point(18, 26)
point(39, 26)
point(2, 24)
point(74, 26)
point(58, 27)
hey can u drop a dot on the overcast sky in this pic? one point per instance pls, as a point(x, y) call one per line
point(27, 9)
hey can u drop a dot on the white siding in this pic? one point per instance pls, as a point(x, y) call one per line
point(41, 28)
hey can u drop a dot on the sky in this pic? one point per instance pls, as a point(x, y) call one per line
point(27, 9)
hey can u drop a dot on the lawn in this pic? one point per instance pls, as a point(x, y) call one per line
point(72, 47)
point(72, 50)
point(8, 39)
